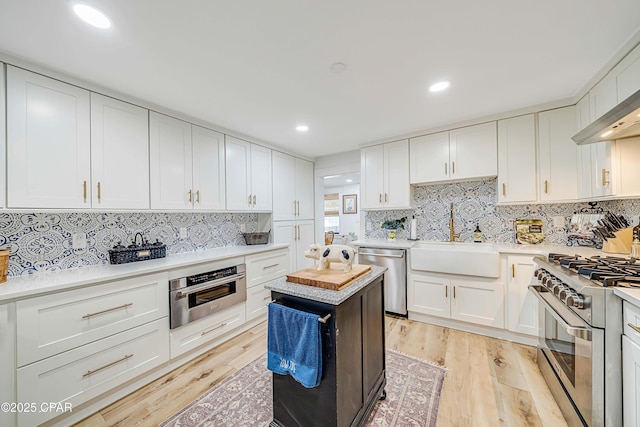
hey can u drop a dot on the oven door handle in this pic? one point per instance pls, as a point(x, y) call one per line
point(209, 285)
point(580, 332)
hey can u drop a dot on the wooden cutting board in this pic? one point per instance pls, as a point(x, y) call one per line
point(335, 278)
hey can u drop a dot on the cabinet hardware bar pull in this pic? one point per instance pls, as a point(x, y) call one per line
point(198, 196)
point(84, 190)
point(454, 292)
point(386, 198)
point(88, 373)
point(266, 298)
point(98, 191)
point(120, 307)
point(298, 227)
point(634, 327)
point(254, 200)
point(221, 325)
point(546, 186)
point(380, 197)
point(605, 182)
point(453, 168)
point(249, 199)
point(190, 194)
point(270, 266)
point(504, 189)
point(445, 169)
point(446, 292)
point(298, 207)
point(513, 270)
point(209, 285)
point(294, 208)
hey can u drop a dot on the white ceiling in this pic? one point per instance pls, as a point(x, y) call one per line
point(342, 180)
point(261, 67)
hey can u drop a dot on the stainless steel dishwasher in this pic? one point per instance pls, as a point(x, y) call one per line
point(395, 278)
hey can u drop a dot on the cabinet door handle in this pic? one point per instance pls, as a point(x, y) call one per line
point(380, 197)
point(221, 325)
point(546, 186)
point(98, 191)
point(84, 191)
point(88, 316)
point(190, 194)
point(504, 189)
point(298, 207)
point(254, 200)
point(513, 270)
point(446, 292)
point(294, 208)
point(93, 371)
point(445, 169)
point(453, 170)
point(454, 292)
point(605, 181)
point(198, 196)
point(634, 327)
point(386, 198)
point(249, 199)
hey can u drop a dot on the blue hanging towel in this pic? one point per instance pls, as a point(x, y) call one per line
point(294, 344)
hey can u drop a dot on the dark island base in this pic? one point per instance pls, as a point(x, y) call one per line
point(353, 368)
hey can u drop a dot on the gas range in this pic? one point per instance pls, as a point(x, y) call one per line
point(580, 325)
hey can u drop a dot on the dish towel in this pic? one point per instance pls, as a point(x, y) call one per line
point(294, 344)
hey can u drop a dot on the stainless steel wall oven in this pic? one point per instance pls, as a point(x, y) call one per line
point(200, 294)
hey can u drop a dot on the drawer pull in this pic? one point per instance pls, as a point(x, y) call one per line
point(88, 373)
point(87, 316)
point(267, 298)
point(222, 325)
point(634, 327)
point(271, 266)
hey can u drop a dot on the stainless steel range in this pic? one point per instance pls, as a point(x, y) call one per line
point(580, 329)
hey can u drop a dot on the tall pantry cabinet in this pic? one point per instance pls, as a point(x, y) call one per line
point(293, 207)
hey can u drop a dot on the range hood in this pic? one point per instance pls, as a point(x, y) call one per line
point(622, 121)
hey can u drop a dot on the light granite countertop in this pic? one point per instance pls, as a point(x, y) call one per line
point(54, 281)
point(507, 248)
point(326, 296)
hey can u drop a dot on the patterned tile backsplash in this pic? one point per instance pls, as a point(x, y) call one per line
point(43, 241)
point(475, 203)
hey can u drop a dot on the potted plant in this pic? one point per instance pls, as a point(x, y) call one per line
point(392, 225)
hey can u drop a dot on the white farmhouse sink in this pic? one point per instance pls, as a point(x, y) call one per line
point(470, 259)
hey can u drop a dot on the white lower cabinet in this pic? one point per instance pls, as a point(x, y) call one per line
point(471, 299)
point(261, 269)
point(202, 331)
point(299, 235)
point(631, 365)
point(85, 372)
point(258, 298)
point(522, 305)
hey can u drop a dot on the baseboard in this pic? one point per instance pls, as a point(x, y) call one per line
point(502, 334)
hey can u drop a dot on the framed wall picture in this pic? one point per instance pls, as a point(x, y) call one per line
point(349, 204)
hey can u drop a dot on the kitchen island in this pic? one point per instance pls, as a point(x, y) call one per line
point(353, 353)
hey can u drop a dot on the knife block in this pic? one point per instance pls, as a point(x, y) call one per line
point(621, 244)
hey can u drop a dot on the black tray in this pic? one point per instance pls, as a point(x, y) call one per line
point(139, 253)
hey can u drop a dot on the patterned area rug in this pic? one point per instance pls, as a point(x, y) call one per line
point(244, 398)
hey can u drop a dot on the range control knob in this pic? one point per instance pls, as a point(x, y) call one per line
point(575, 300)
point(564, 293)
point(557, 288)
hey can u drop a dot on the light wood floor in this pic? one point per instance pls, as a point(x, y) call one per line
point(490, 382)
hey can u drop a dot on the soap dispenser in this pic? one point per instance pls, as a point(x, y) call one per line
point(477, 234)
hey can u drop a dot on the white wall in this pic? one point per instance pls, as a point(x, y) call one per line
point(348, 222)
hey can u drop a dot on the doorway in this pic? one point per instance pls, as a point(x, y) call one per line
point(341, 209)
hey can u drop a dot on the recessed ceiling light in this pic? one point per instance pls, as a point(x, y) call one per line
point(607, 133)
point(302, 128)
point(338, 67)
point(437, 87)
point(92, 16)
point(349, 180)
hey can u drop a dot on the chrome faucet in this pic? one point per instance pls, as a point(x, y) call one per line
point(452, 235)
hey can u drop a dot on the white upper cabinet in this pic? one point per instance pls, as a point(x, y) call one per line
point(293, 187)
point(187, 165)
point(603, 97)
point(517, 159)
point(48, 144)
point(171, 162)
point(208, 169)
point(460, 154)
point(473, 151)
point(557, 170)
point(384, 171)
point(429, 158)
point(3, 141)
point(583, 113)
point(628, 75)
point(119, 154)
point(248, 176)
